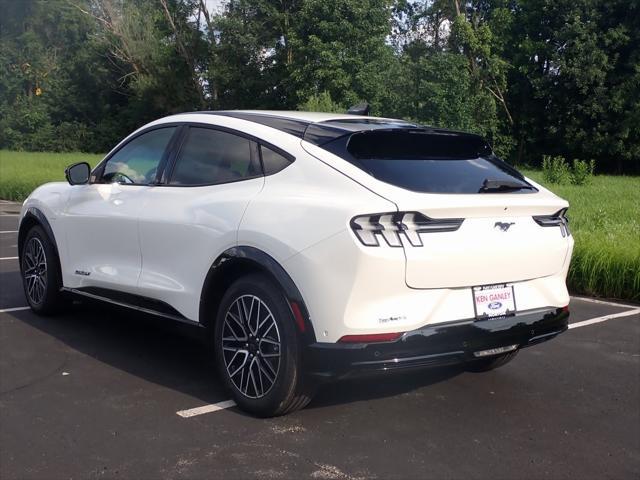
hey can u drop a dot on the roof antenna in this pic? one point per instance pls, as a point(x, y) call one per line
point(359, 109)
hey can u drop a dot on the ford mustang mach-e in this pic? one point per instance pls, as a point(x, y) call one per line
point(312, 246)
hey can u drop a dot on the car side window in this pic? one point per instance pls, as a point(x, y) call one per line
point(210, 156)
point(137, 162)
point(272, 161)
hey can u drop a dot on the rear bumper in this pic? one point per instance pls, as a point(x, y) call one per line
point(442, 344)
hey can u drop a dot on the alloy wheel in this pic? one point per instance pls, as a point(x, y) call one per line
point(34, 268)
point(251, 346)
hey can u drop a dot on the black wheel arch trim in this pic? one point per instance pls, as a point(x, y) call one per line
point(261, 261)
point(36, 216)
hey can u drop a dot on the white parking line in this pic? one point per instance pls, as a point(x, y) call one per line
point(603, 302)
point(214, 407)
point(9, 231)
point(14, 309)
point(604, 318)
point(9, 258)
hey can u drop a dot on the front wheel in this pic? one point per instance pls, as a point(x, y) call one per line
point(41, 276)
point(490, 363)
point(258, 349)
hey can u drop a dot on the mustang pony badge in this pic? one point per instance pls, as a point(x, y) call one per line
point(503, 226)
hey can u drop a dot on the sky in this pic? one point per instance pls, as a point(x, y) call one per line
point(215, 5)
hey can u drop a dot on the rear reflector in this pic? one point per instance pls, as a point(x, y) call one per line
point(565, 308)
point(297, 314)
point(370, 338)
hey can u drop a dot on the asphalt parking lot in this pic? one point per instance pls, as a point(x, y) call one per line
point(98, 393)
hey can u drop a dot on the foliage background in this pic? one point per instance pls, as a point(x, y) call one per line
point(536, 77)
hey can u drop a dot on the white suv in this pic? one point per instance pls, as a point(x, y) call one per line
point(312, 246)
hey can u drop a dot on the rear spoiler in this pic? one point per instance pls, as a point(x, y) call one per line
point(417, 143)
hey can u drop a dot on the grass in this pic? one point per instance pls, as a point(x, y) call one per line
point(605, 219)
point(605, 222)
point(21, 172)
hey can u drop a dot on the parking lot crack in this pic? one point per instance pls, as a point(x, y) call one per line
point(38, 379)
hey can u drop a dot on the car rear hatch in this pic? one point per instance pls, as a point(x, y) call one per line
point(498, 241)
point(495, 225)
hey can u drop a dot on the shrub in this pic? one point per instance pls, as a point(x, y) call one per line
point(582, 171)
point(555, 170)
point(321, 102)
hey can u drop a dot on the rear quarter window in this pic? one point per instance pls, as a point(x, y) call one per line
point(273, 161)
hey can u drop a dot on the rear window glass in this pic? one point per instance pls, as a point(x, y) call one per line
point(432, 162)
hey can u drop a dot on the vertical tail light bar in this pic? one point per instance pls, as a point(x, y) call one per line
point(392, 226)
point(558, 219)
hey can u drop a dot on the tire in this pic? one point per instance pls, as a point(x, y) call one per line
point(491, 363)
point(40, 270)
point(260, 359)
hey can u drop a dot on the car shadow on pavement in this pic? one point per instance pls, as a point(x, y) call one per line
point(160, 351)
point(177, 356)
point(381, 385)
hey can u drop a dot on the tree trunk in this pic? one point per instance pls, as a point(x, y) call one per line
point(185, 54)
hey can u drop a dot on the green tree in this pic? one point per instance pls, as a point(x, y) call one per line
point(338, 46)
point(536, 77)
point(478, 32)
point(248, 55)
point(40, 102)
point(577, 71)
point(321, 103)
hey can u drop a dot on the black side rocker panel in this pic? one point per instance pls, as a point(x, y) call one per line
point(140, 303)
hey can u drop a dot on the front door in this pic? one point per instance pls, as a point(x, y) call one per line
point(101, 218)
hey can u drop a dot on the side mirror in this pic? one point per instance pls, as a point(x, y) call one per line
point(78, 173)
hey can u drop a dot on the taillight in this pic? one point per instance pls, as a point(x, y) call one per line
point(370, 338)
point(391, 226)
point(558, 219)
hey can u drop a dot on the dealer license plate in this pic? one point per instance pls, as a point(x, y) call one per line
point(494, 300)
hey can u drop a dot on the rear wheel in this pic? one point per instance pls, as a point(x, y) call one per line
point(491, 363)
point(41, 276)
point(258, 350)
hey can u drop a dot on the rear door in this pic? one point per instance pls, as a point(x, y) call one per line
point(498, 241)
point(189, 220)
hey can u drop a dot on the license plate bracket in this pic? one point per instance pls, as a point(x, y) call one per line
point(491, 301)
